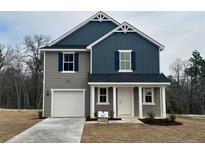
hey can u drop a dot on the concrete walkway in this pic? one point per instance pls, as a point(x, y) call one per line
point(52, 130)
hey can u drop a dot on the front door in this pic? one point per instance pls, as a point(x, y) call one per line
point(125, 101)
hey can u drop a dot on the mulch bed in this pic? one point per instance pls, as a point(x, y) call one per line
point(160, 122)
point(95, 119)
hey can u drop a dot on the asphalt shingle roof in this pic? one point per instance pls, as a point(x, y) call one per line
point(126, 77)
point(65, 47)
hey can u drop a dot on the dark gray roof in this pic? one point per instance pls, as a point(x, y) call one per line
point(65, 47)
point(127, 77)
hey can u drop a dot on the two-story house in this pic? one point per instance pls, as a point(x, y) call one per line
point(102, 65)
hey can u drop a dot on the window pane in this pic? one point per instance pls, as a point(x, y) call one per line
point(127, 65)
point(122, 55)
point(123, 65)
point(102, 91)
point(102, 98)
point(65, 57)
point(65, 66)
point(70, 57)
point(148, 91)
point(70, 66)
point(127, 56)
point(148, 98)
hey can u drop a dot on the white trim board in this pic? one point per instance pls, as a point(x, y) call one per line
point(82, 24)
point(44, 69)
point(68, 90)
point(133, 30)
point(72, 50)
point(131, 83)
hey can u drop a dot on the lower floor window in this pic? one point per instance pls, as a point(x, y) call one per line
point(148, 95)
point(103, 95)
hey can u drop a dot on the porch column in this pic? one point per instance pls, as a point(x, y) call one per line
point(92, 101)
point(114, 102)
point(163, 103)
point(140, 102)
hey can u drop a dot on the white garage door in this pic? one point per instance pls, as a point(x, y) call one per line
point(68, 103)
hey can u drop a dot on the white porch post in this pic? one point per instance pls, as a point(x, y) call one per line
point(140, 102)
point(114, 101)
point(92, 101)
point(163, 102)
point(161, 105)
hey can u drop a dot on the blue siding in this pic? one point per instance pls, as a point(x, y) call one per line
point(88, 33)
point(147, 54)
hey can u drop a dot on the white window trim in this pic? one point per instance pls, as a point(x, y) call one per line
point(73, 71)
point(107, 95)
point(125, 70)
point(148, 103)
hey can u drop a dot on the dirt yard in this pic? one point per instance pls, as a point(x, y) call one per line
point(13, 122)
point(192, 130)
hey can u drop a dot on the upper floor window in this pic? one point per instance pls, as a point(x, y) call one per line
point(125, 61)
point(148, 95)
point(68, 62)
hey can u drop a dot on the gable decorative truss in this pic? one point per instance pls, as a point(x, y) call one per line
point(125, 28)
point(100, 16)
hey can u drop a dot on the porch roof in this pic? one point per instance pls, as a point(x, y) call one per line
point(127, 77)
point(65, 47)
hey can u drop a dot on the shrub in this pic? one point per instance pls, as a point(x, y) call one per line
point(151, 116)
point(111, 113)
point(40, 114)
point(96, 114)
point(166, 120)
point(172, 117)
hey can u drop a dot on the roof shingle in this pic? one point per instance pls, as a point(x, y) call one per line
point(126, 77)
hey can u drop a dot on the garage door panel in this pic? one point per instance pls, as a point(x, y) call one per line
point(68, 104)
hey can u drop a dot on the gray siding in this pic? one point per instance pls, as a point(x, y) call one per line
point(56, 80)
point(148, 108)
point(145, 108)
point(147, 54)
point(88, 33)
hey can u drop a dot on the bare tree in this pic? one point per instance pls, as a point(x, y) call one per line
point(21, 76)
point(6, 55)
point(176, 69)
point(33, 59)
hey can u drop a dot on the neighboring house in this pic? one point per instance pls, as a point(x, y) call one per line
point(102, 65)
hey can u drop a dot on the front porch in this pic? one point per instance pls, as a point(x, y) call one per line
point(128, 99)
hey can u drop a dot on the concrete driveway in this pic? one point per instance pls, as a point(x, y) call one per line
point(52, 130)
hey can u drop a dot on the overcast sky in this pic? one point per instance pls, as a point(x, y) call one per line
point(180, 32)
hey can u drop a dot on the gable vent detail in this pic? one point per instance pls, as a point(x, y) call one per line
point(100, 16)
point(125, 28)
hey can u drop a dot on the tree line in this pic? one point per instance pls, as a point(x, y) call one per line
point(21, 73)
point(186, 94)
point(21, 78)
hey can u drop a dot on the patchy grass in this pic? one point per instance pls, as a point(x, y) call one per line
point(13, 122)
point(192, 130)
